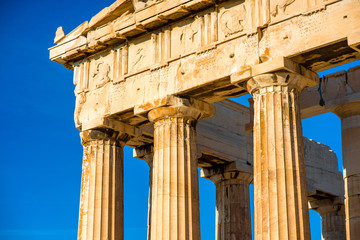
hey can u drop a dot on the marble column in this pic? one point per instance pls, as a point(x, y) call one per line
point(233, 220)
point(101, 202)
point(280, 195)
point(350, 130)
point(149, 160)
point(332, 215)
point(175, 189)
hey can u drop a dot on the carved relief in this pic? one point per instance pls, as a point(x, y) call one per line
point(282, 5)
point(140, 54)
point(232, 21)
point(101, 75)
point(80, 100)
point(185, 36)
point(188, 33)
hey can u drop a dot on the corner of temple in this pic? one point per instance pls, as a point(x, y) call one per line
point(107, 129)
point(110, 123)
point(100, 134)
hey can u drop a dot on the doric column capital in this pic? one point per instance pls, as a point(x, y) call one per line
point(174, 111)
point(232, 177)
point(190, 109)
point(173, 106)
point(145, 153)
point(348, 110)
point(103, 134)
point(278, 78)
point(324, 206)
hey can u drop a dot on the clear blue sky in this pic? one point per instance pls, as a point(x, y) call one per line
point(41, 154)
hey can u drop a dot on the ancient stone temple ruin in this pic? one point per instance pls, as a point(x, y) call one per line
point(156, 75)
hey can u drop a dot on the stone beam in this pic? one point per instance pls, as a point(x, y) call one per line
point(179, 50)
point(337, 89)
point(125, 20)
point(324, 180)
point(227, 124)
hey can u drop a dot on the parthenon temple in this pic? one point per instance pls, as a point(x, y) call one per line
point(157, 75)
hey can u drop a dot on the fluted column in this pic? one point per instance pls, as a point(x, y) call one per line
point(233, 220)
point(280, 194)
point(350, 130)
point(175, 189)
point(332, 213)
point(101, 202)
point(149, 160)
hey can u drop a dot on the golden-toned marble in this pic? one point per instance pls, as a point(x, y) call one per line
point(146, 72)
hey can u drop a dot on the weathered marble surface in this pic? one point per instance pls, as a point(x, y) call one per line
point(137, 60)
point(164, 46)
point(350, 131)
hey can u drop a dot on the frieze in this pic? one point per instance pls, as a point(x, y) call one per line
point(232, 22)
point(205, 48)
point(140, 54)
point(282, 5)
point(80, 100)
point(234, 17)
point(185, 37)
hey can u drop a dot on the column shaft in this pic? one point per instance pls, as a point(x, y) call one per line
point(175, 188)
point(101, 200)
point(175, 192)
point(333, 224)
point(233, 220)
point(149, 160)
point(350, 129)
point(281, 210)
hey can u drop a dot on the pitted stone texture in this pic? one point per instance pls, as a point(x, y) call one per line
point(175, 189)
point(146, 153)
point(233, 219)
point(350, 129)
point(332, 213)
point(123, 58)
point(323, 177)
point(280, 192)
point(101, 203)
